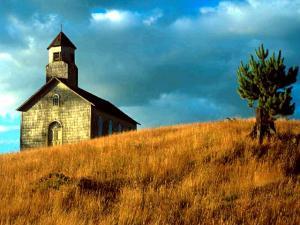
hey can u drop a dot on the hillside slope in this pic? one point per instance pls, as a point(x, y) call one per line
point(207, 173)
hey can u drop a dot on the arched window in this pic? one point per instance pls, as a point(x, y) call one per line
point(100, 126)
point(110, 127)
point(119, 127)
point(56, 56)
point(55, 100)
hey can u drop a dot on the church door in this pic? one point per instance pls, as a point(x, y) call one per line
point(54, 134)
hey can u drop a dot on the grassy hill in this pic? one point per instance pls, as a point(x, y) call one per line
point(206, 173)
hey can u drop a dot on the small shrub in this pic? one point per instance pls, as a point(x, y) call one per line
point(230, 197)
point(52, 181)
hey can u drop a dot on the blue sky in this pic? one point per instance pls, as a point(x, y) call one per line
point(162, 61)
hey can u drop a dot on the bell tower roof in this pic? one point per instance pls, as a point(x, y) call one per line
point(61, 40)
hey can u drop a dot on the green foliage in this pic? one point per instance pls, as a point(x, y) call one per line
point(265, 83)
point(52, 181)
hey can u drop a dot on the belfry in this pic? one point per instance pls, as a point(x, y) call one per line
point(61, 112)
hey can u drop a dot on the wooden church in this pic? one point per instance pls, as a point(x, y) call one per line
point(60, 112)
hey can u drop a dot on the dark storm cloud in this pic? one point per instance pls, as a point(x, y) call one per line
point(197, 57)
point(152, 58)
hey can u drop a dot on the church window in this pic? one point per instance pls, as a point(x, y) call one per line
point(56, 56)
point(55, 100)
point(119, 127)
point(100, 126)
point(110, 127)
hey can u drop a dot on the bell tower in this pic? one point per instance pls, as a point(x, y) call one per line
point(62, 60)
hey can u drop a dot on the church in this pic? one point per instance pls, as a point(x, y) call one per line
point(60, 112)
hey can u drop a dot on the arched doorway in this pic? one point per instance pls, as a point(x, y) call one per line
point(55, 134)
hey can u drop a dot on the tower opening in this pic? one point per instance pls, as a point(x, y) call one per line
point(62, 60)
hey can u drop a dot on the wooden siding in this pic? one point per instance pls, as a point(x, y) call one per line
point(74, 113)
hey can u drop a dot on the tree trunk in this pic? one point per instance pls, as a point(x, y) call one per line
point(264, 126)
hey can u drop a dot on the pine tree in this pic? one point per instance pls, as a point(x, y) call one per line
point(267, 86)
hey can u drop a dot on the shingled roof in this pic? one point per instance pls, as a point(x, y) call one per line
point(98, 103)
point(102, 104)
point(61, 40)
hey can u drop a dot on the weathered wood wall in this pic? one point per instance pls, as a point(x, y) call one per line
point(126, 126)
point(74, 114)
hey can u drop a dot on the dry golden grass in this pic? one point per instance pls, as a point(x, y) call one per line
point(207, 173)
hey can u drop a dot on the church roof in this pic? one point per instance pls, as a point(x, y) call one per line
point(61, 40)
point(98, 103)
point(103, 105)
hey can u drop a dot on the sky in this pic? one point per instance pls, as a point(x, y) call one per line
point(162, 62)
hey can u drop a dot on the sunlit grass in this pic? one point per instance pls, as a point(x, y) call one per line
point(206, 173)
